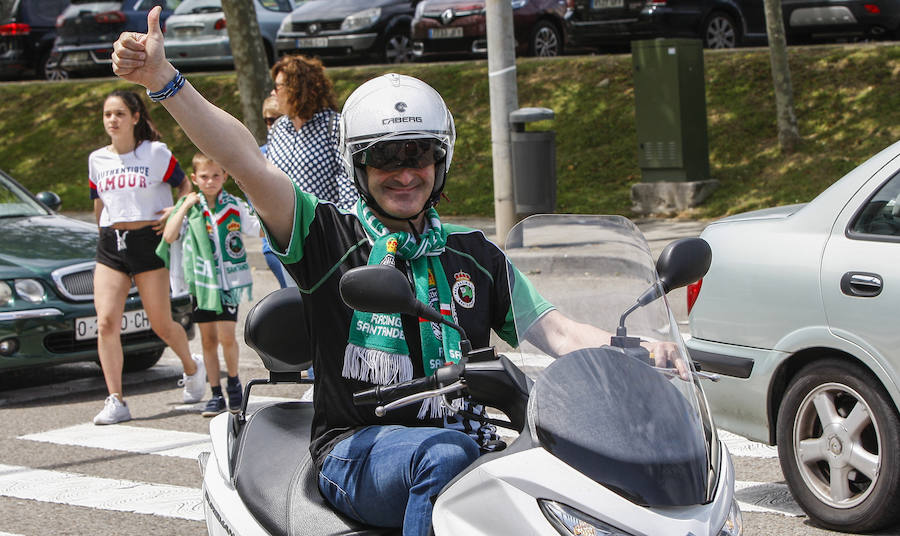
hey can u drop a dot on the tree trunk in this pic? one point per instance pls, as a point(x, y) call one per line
point(250, 63)
point(788, 133)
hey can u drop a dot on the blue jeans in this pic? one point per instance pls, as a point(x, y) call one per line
point(386, 476)
point(275, 265)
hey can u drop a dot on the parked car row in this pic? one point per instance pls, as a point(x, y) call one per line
point(49, 38)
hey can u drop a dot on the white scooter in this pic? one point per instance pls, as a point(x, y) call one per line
point(608, 443)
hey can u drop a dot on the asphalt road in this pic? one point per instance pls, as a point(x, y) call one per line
point(60, 474)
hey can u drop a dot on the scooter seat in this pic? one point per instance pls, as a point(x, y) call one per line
point(276, 478)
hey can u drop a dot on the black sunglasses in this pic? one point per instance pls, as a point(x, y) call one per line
point(397, 154)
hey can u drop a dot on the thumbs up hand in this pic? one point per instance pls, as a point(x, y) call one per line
point(141, 58)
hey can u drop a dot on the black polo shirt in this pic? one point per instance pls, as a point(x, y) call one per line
point(326, 242)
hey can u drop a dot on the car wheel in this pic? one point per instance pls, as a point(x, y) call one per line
point(545, 40)
point(837, 433)
point(136, 361)
point(398, 47)
point(720, 31)
point(50, 73)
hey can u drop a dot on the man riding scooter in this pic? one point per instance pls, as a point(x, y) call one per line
point(397, 142)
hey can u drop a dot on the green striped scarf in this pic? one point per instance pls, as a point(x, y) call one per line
point(377, 351)
point(215, 264)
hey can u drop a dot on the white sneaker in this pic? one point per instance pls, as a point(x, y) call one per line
point(114, 410)
point(195, 384)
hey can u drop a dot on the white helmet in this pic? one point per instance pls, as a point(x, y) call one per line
point(395, 107)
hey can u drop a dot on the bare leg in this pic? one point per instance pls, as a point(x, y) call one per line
point(154, 289)
point(229, 346)
point(210, 340)
point(110, 292)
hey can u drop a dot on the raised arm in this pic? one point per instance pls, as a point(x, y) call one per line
point(140, 58)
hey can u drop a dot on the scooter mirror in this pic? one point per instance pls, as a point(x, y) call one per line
point(682, 262)
point(382, 289)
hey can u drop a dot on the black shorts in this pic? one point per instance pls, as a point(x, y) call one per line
point(200, 316)
point(130, 252)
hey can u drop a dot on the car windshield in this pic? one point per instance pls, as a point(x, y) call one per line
point(15, 202)
point(593, 269)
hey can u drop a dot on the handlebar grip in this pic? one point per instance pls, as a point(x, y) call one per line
point(382, 394)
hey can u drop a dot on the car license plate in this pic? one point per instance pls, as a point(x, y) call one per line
point(312, 42)
point(187, 32)
point(76, 58)
point(132, 321)
point(445, 33)
point(607, 4)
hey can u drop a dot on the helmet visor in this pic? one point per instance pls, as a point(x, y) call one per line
point(397, 154)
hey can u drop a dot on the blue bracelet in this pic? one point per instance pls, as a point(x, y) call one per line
point(170, 89)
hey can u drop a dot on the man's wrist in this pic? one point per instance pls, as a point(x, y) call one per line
point(160, 81)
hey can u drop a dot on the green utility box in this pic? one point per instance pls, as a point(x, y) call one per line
point(670, 110)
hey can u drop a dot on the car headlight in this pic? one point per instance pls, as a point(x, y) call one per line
point(286, 25)
point(516, 4)
point(6, 294)
point(734, 523)
point(30, 290)
point(570, 522)
point(361, 19)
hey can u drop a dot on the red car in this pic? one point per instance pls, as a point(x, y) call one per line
point(457, 28)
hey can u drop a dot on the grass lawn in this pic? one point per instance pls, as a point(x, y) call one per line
point(846, 97)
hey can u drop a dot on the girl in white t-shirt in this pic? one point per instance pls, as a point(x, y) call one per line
point(131, 183)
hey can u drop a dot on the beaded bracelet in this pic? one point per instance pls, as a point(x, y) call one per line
point(170, 89)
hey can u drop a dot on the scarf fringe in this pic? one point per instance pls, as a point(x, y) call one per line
point(376, 366)
point(434, 408)
point(237, 295)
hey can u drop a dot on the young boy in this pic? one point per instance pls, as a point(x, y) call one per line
point(209, 226)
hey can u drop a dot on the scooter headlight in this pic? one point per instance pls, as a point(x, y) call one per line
point(570, 522)
point(734, 523)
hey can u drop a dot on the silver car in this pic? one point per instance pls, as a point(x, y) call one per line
point(797, 315)
point(197, 36)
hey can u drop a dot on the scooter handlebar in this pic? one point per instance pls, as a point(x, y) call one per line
point(383, 394)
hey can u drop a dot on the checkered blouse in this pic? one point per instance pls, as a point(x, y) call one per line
point(311, 158)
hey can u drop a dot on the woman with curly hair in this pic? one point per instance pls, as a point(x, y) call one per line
point(304, 142)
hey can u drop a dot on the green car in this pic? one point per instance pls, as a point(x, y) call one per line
point(47, 311)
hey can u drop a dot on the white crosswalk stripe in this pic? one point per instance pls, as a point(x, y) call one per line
point(93, 492)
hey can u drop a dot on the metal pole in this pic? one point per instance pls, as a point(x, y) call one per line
point(504, 99)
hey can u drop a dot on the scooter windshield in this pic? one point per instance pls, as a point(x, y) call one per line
point(636, 425)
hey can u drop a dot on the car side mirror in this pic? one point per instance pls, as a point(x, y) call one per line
point(49, 200)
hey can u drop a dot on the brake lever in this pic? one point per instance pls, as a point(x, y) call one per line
point(407, 400)
point(700, 374)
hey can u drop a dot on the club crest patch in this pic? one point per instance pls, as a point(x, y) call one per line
point(390, 251)
point(464, 290)
point(234, 244)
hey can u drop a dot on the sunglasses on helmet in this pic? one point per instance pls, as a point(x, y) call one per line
point(397, 154)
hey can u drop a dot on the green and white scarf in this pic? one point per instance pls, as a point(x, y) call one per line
point(214, 258)
point(377, 351)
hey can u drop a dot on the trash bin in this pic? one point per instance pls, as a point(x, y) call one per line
point(533, 162)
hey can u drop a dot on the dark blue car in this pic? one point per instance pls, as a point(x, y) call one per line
point(86, 30)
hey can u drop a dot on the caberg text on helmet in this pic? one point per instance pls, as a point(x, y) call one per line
point(390, 120)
